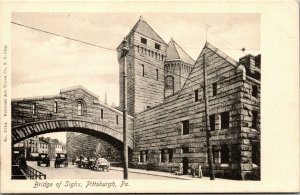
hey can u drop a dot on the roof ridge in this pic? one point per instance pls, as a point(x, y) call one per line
point(172, 40)
point(184, 50)
point(135, 29)
point(154, 31)
point(222, 54)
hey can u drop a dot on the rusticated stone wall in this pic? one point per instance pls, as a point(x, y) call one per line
point(38, 115)
point(86, 145)
point(159, 130)
point(144, 88)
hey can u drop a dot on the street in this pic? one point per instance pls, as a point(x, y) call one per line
point(73, 172)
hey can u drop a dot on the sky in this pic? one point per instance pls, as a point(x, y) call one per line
point(42, 64)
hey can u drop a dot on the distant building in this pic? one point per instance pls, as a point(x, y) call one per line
point(29, 147)
point(43, 146)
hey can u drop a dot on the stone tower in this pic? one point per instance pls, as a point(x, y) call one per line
point(178, 65)
point(145, 68)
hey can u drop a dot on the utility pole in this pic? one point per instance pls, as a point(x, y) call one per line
point(125, 152)
point(209, 149)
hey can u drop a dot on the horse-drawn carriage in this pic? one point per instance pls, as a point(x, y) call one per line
point(43, 159)
point(61, 159)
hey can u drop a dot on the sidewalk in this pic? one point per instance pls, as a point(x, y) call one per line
point(162, 174)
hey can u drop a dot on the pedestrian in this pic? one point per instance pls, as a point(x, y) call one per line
point(180, 169)
point(193, 170)
point(148, 165)
point(200, 171)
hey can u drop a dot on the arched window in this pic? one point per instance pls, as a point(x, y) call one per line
point(79, 108)
point(169, 85)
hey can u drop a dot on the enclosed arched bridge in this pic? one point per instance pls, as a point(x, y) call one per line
point(75, 109)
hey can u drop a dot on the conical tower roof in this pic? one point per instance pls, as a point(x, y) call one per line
point(143, 28)
point(175, 52)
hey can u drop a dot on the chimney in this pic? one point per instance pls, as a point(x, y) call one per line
point(252, 65)
point(257, 61)
point(249, 62)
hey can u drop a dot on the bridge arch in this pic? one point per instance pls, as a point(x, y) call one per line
point(27, 130)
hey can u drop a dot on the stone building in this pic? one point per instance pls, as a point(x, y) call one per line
point(165, 96)
point(43, 146)
point(29, 147)
point(165, 103)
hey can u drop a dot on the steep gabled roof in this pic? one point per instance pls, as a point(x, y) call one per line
point(175, 52)
point(221, 54)
point(143, 28)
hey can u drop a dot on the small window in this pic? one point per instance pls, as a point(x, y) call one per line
point(254, 91)
point(224, 154)
point(117, 119)
point(55, 107)
point(33, 108)
point(101, 113)
point(170, 155)
point(214, 85)
point(212, 122)
point(254, 119)
point(162, 156)
point(225, 120)
point(141, 156)
point(157, 46)
point(143, 70)
point(169, 84)
point(143, 40)
point(79, 109)
point(185, 127)
point(156, 71)
point(196, 95)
